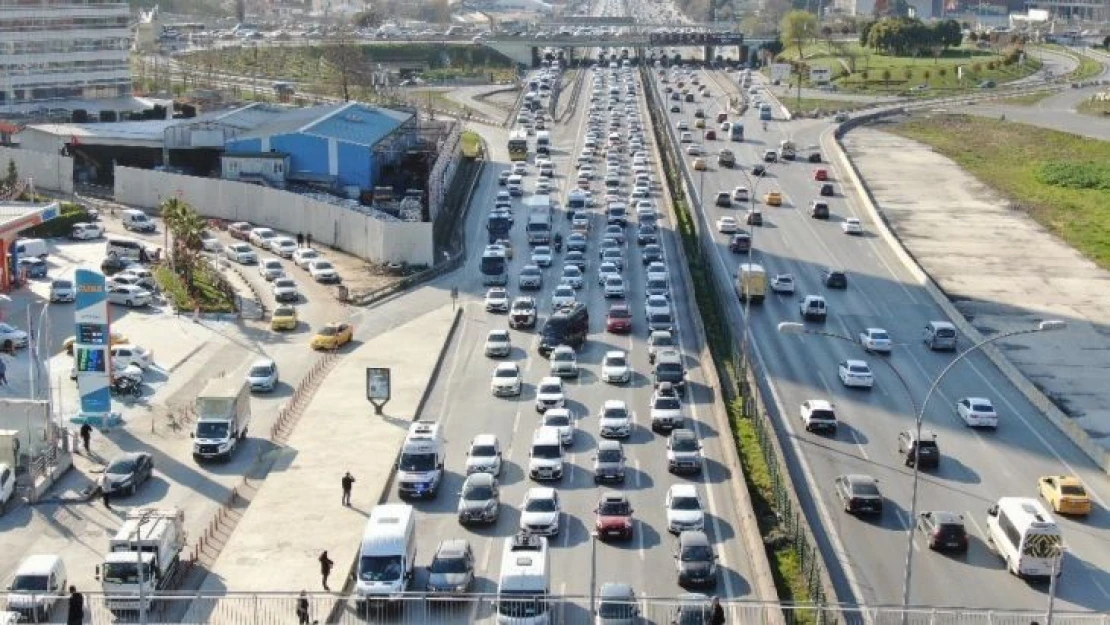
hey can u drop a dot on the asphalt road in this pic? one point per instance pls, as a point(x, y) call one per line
point(460, 399)
point(977, 467)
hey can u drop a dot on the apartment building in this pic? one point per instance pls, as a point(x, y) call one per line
point(54, 50)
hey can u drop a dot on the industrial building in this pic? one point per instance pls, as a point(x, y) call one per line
point(63, 50)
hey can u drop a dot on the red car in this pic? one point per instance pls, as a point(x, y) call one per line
point(240, 230)
point(619, 319)
point(821, 175)
point(710, 135)
point(614, 517)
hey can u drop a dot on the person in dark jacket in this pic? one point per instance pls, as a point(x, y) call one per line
point(347, 482)
point(716, 612)
point(325, 568)
point(302, 608)
point(76, 615)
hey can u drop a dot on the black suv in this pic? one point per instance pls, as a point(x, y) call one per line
point(926, 449)
point(834, 279)
point(568, 326)
point(944, 530)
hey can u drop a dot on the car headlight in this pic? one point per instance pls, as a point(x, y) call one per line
point(491, 506)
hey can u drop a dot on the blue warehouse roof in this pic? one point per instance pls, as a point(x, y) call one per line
point(350, 122)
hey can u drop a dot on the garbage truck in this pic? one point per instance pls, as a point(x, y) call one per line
point(143, 558)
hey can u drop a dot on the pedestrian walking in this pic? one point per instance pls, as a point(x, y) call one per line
point(302, 608)
point(348, 481)
point(300, 239)
point(716, 612)
point(76, 614)
point(325, 568)
point(3, 373)
point(308, 240)
point(106, 497)
point(86, 435)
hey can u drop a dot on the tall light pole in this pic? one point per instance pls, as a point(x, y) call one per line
point(1044, 326)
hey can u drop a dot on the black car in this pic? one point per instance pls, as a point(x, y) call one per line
point(924, 451)
point(126, 472)
point(576, 258)
point(647, 234)
point(759, 170)
point(676, 108)
point(859, 494)
point(945, 531)
point(652, 253)
point(568, 326)
point(827, 190)
point(815, 157)
point(503, 177)
point(576, 242)
point(834, 279)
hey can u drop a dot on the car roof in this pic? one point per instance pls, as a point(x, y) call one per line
point(540, 492)
point(947, 518)
point(617, 590)
point(856, 363)
point(38, 564)
point(979, 400)
point(859, 478)
point(690, 538)
point(819, 404)
point(480, 479)
point(615, 403)
point(261, 362)
point(683, 433)
point(609, 444)
point(507, 365)
point(686, 490)
point(484, 439)
point(452, 548)
point(614, 496)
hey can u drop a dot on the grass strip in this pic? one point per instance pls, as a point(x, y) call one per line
point(1088, 67)
point(208, 292)
point(1093, 106)
point(1059, 179)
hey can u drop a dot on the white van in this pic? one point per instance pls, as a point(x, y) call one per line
point(31, 248)
point(137, 221)
point(387, 554)
point(525, 582)
point(545, 459)
point(420, 467)
point(39, 582)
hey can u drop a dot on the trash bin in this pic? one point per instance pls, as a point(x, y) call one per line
point(341, 292)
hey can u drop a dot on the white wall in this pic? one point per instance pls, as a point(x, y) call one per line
point(334, 226)
point(49, 170)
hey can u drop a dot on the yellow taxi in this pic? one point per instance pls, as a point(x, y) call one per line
point(284, 318)
point(774, 198)
point(1065, 493)
point(700, 164)
point(118, 338)
point(333, 336)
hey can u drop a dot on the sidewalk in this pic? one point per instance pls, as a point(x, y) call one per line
point(297, 513)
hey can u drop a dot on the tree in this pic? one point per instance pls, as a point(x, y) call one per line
point(926, 74)
point(827, 35)
point(1106, 42)
point(185, 227)
point(12, 177)
point(942, 72)
point(865, 32)
point(346, 59)
point(886, 77)
point(907, 72)
point(799, 28)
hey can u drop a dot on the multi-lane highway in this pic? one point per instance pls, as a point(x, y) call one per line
point(461, 401)
point(976, 468)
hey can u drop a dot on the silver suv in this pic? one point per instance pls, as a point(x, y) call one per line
point(684, 452)
point(609, 462)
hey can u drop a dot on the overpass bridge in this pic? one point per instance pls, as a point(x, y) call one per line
point(525, 47)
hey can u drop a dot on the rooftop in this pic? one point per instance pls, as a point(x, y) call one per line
point(352, 122)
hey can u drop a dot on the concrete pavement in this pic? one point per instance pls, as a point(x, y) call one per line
point(1001, 269)
point(297, 513)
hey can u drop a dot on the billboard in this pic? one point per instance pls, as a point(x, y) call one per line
point(91, 349)
point(780, 71)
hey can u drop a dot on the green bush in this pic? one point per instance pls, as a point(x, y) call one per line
point(212, 296)
point(1075, 175)
point(60, 225)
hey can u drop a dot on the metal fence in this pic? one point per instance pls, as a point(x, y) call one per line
point(739, 375)
point(339, 609)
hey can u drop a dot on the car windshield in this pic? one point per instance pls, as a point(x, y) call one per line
point(121, 467)
point(284, 283)
point(540, 505)
point(307, 255)
point(865, 489)
point(699, 553)
point(977, 407)
point(614, 508)
point(617, 608)
point(550, 389)
point(320, 264)
point(557, 420)
point(684, 443)
point(498, 337)
point(63, 284)
point(615, 413)
point(859, 369)
point(505, 373)
point(284, 311)
point(685, 503)
point(660, 317)
point(417, 462)
point(562, 355)
point(667, 403)
point(879, 336)
point(619, 313)
point(379, 568)
point(329, 331)
point(29, 583)
point(449, 565)
point(825, 415)
point(547, 452)
point(616, 361)
point(124, 572)
point(483, 451)
point(260, 371)
point(522, 306)
point(609, 455)
point(1073, 490)
point(212, 429)
point(480, 492)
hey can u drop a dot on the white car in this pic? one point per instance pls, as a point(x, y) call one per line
point(656, 305)
point(656, 270)
point(549, 394)
point(571, 276)
point(209, 242)
point(540, 512)
point(305, 256)
point(977, 412)
point(875, 340)
point(84, 230)
point(783, 283)
point(271, 269)
point(685, 511)
point(285, 289)
point(127, 355)
point(484, 455)
point(561, 419)
point(615, 368)
point(740, 194)
point(128, 295)
point(851, 225)
point(694, 149)
point(12, 336)
point(855, 373)
point(562, 296)
point(283, 246)
point(683, 125)
point(323, 271)
point(615, 419)
point(686, 137)
point(497, 300)
point(543, 187)
point(498, 344)
point(263, 376)
point(541, 255)
point(727, 225)
point(506, 380)
point(241, 253)
point(614, 286)
point(606, 269)
point(260, 237)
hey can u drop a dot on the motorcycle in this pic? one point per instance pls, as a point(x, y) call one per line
point(557, 242)
point(127, 382)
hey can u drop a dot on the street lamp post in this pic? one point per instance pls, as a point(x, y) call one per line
point(1044, 326)
point(139, 563)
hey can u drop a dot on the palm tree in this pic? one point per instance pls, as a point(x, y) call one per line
point(185, 226)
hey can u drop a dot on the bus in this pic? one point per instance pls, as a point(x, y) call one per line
point(1026, 536)
point(494, 268)
point(518, 145)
